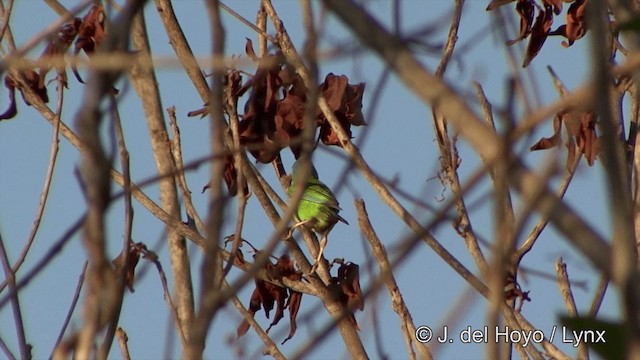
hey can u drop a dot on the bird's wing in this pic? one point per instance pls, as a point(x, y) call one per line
point(319, 193)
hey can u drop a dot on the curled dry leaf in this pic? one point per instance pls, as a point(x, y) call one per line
point(57, 46)
point(273, 113)
point(581, 127)
point(554, 140)
point(133, 255)
point(345, 100)
point(230, 176)
point(526, 11)
point(33, 81)
point(555, 4)
point(345, 288)
point(90, 34)
point(497, 3)
point(349, 278)
point(539, 33)
point(575, 27)
point(266, 295)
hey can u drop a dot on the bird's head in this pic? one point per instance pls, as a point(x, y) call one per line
point(296, 170)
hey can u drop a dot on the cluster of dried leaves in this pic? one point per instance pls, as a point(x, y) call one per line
point(267, 294)
point(274, 111)
point(345, 288)
point(581, 127)
point(87, 32)
point(573, 29)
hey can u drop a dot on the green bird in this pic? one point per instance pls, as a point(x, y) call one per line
point(318, 209)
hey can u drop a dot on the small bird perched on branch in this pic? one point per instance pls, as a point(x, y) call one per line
point(318, 209)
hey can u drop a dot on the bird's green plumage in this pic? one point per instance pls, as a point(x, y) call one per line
point(318, 205)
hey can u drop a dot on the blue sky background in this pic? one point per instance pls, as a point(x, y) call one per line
point(399, 145)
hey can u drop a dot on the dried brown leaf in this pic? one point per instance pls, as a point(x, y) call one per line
point(539, 33)
point(555, 4)
point(349, 278)
point(494, 4)
point(575, 27)
point(248, 48)
point(526, 9)
point(345, 100)
point(133, 257)
point(254, 306)
point(90, 34)
point(12, 110)
point(338, 293)
point(266, 295)
point(58, 45)
point(554, 140)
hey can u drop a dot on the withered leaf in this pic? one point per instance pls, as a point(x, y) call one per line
point(254, 306)
point(58, 45)
point(338, 293)
point(345, 100)
point(90, 34)
point(33, 81)
point(12, 110)
point(287, 269)
point(349, 278)
point(266, 295)
point(575, 27)
point(133, 257)
point(257, 126)
point(293, 304)
point(230, 176)
point(539, 33)
point(273, 113)
point(549, 142)
point(555, 4)
point(581, 128)
point(232, 83)
point(497, 3)
point(526, 9)
point(248, 49)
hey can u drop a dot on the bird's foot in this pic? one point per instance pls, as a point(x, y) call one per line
point(300, 223)
point(313, 269)
point(290, 233)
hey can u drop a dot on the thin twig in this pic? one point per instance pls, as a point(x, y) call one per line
point(598, 297)
point(25, 350)
point(6, 350)
point(386, 272)
point(105, 347)
point(569, 301)
point(122, 342)
point(153, 257)
point(271, 347)
point(6, 14)
point(179, 169)
point(255, 28)
point(44, 195)
point(72, 307)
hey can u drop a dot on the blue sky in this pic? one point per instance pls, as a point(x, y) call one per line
point(399, 145)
